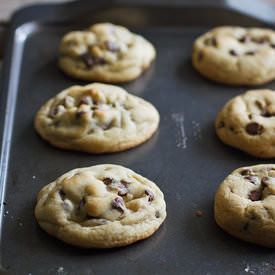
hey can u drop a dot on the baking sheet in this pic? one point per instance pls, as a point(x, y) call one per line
point(184, 158)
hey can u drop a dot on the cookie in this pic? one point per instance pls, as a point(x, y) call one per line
point(247, 123)
point(96, 118)
point(105, 52)
point(100, 206)
point(245, 204)
point(236, 56)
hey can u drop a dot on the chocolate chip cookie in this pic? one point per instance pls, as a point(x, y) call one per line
point(247, 123)
point(96, 118)
point(105, 52)
point(236, 56)
point(245, 204)
point(100, 206)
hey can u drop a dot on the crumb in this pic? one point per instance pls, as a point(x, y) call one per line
point(199, 213)
point(21, 224)
point(163, 260)
point(6, 212)
point(246, 269)
point(33, 177)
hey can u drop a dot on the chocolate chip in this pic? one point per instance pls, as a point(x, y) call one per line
point(123, 191)
point(231, 129)
point(259, 104)
point(211, 42)
point(124, 182)
point(269, 168)
point(84, 100)
point(62, 193)
point(254, 128)
point(249, 53)
point(252, 179)
point(265, 113)
point(200, 56)
point(250, 116)
point(80, 113)
point(119, 204)
point(199, 213)
point(108, 180)
point(246, 172)
point(53, 112)
point(91, 61)
point(255, 195)
point(112, 46)
point(82, 203)
point(244, 39)
point(149, 194)
point(246, 226)
point(264, 181)
point(95, 107)
point(88, 217)
point(233, 52)
point(260, 40)
point(157, 214)
point(221, 124)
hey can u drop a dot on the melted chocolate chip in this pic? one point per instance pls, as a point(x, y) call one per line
point(233, 52)
point(255, 195)
point(108, 180)
point(118, 203)
point(91, 61)
point(254, 128)
point(250, 116)
point(157, 214)
point(259, 104)
point(246, 172)
point(221, 124)
point(62, 193)
point(252, 179)
point(264, 181)
point(249, 53)
point(149, 194)
point(112, 46)
point(244, 39)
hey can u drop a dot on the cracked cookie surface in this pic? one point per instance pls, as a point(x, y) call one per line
point(96, 118)
point(235, 55)
point(245, 204)
point(247, 122)
point(100, 206)
point(105, 52)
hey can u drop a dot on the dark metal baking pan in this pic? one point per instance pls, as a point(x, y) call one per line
point(185, 158)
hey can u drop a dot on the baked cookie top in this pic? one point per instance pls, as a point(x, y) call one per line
point(245, 204)
point(247, 122)
point(105, 52)
point(235, 55)
point(96, 118)
point(100, 206)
